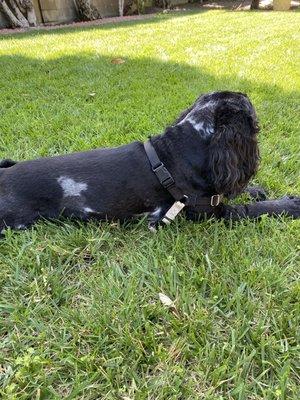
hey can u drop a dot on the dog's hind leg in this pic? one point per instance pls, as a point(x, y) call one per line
point(15, 215)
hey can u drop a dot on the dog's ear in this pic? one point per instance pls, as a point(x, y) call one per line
point(233, 150)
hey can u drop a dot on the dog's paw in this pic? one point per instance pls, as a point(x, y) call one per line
point(257, 193)
point(291, 206)
point(152, 226)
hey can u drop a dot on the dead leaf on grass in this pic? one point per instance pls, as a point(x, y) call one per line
point(165, 300)
point(117, 61)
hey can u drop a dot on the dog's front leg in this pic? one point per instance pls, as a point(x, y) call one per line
point(288, 205)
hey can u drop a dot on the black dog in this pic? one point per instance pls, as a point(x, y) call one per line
point(210, 152)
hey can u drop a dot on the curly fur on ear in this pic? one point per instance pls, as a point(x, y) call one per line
point(233, 150)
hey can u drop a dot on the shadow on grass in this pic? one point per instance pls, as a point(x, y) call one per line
point(74, 103)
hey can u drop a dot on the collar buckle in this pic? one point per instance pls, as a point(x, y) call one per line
point(215, 200)
point(163, 175)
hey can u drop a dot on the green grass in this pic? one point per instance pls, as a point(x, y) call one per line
point(79, 307)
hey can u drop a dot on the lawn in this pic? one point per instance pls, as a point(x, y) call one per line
point(80, 312)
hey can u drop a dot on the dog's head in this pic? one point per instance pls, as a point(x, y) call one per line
point(227, 123)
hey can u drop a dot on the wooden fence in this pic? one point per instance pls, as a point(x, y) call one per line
point(63, 11)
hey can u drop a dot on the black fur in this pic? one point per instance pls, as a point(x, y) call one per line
point(7, 163)
point(211, 148)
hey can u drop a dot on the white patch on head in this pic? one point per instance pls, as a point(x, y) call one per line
point(202, 127)
point(198, 126)
point(190, 117)
point(71, 187)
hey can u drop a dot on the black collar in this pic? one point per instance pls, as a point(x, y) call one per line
point(168, 182)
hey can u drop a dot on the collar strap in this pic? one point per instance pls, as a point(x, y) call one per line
point(167, 181)
point(162, 173)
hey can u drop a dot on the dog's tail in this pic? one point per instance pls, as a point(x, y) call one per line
point(6, 163)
